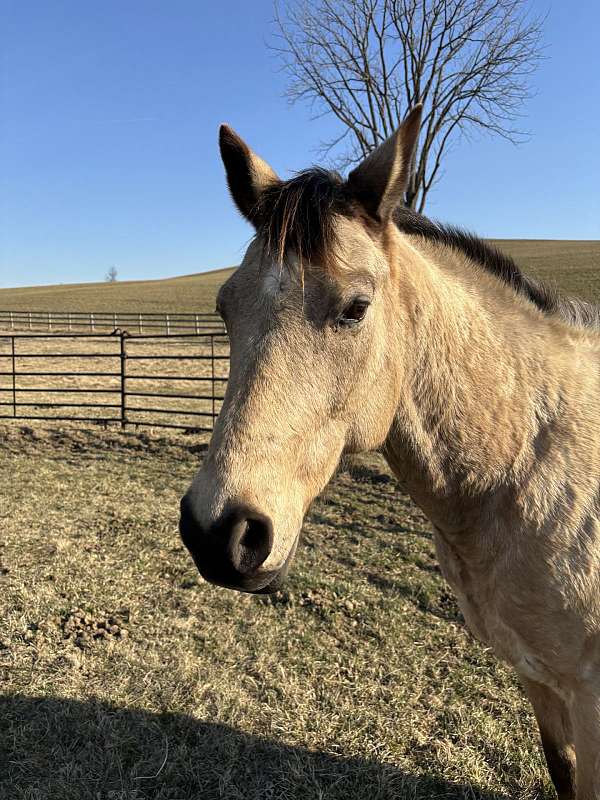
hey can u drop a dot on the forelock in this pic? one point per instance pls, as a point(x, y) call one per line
point(299, 216)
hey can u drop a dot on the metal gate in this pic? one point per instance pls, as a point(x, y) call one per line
point(174, 381)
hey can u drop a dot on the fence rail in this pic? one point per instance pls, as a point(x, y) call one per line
point(174, 381)
point(142, 322)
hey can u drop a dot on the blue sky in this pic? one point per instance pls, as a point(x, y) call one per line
point(109, 114)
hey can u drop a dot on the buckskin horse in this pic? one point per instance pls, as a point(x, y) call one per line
point(357, 324)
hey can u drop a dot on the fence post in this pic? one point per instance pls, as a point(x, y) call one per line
point(197, 323)
point(168, 324)
point(140, 322)
point(123, 355)
point(69, 319)
point(30, 320)
point(92, 322)
point(212, 365)
point(14, 377)
point(49, 320)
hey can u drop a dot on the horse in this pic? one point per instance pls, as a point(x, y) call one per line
point(357, 324)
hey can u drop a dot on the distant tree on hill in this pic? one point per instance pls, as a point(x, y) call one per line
point(111, 275)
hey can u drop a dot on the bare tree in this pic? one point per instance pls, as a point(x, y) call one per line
point(111, 275)
point(368, 62)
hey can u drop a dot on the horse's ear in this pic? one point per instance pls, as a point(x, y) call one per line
point(380, 181)
point(247, 174)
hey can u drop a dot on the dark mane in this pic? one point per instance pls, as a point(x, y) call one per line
point(298, 215)
point(571, 309)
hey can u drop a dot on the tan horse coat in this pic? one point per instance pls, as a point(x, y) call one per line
point(485, 402)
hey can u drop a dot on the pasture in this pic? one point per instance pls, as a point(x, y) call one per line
point(125, 677)
point(185, 293)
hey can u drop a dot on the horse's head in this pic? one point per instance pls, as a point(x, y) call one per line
point(314, 343)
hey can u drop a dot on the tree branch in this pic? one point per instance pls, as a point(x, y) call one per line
point(366, 62)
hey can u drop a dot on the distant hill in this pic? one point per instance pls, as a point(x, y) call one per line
point(574, 266)
point(186, 293)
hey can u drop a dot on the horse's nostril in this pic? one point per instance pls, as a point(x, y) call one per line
point(251, 542)
point(234, 545)
point(254, 536)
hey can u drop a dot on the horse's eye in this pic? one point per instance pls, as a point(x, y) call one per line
point(356, 311)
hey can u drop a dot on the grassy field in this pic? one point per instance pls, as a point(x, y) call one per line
point(125, 677)
point(572, 265)
point(187, 293)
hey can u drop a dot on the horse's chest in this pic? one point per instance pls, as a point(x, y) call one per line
point(463, 578)
point(480, 587)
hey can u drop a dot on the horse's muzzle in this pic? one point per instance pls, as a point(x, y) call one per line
point(231, 551)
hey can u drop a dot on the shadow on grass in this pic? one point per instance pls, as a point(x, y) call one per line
point(326, 516)
point(71, 750)
point(443, 605)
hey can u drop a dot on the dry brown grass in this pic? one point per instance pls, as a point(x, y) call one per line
point(124, 677)
point(573, 266)
point(358, 681)
point(191, 293)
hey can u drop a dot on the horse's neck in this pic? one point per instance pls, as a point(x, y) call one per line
point(483, 374)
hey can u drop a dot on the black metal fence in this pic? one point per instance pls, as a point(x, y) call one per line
point(166, 323)
point(174, 381)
